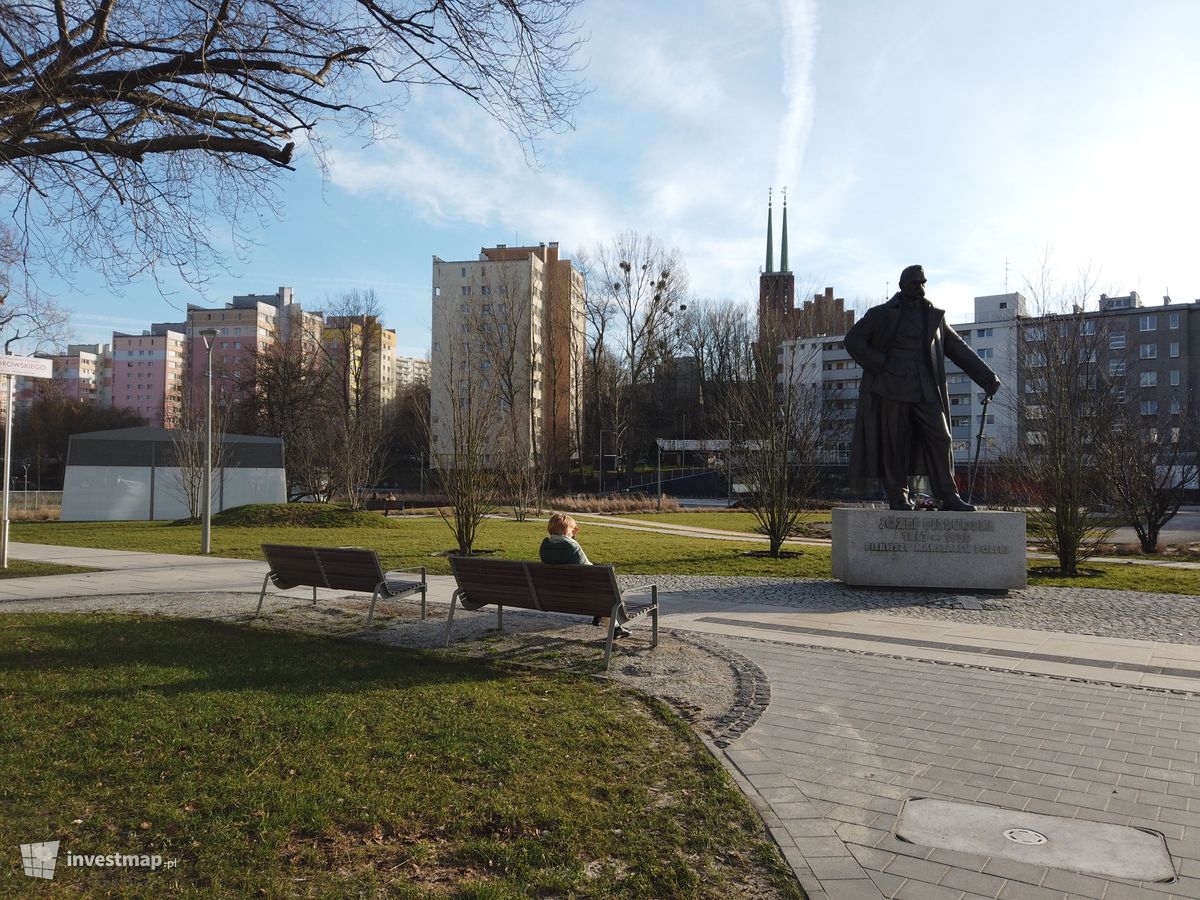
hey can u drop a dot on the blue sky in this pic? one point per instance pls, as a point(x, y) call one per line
point(957, 134)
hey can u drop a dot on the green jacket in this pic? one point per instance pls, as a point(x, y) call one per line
point(560, 550)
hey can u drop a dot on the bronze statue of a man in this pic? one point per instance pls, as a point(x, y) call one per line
point(903, 422)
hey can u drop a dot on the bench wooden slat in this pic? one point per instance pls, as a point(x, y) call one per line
point(351, 569)
point(293, 566)
point(583, 590)
point(500, 582)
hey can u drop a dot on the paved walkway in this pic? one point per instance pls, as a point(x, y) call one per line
point(870, 709)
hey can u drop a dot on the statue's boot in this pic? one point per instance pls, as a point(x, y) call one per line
point(955, 503)
point(898, 499)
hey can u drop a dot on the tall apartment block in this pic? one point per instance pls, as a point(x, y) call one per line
point(245, 325)
point(374, 349)
point(522, 303)
point(148, 372)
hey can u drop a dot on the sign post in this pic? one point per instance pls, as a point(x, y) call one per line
point(10, 368)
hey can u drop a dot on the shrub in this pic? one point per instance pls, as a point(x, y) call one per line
point(302, 515)
point(631, 503)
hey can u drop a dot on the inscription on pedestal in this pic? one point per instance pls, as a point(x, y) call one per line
point(979, 550)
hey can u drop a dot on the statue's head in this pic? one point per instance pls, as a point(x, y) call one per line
point(912, 282)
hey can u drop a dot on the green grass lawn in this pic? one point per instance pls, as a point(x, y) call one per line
point(23, 568)
point(413, 542)
point(417, 541)
point(724, 520)
point(279, 764)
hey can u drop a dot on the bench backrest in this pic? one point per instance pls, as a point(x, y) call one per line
point(585, 590)
point(499, 581)
point(339, 568)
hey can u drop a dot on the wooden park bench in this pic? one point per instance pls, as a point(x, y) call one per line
point(339, 569)
point(577, 590)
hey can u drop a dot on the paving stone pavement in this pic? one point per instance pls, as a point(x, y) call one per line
point(848, 737)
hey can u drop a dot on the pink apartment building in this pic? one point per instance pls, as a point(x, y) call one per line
point(148, 372)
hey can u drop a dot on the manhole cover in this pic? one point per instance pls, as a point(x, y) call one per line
point(1093, 848)
point(1024, 836)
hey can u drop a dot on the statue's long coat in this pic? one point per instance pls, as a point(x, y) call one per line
point(868, 342)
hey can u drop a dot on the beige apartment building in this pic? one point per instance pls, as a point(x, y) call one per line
point(508, 332)
point(246, 325)
point(371, 349)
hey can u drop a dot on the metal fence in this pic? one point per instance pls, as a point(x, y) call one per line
point(35, 499)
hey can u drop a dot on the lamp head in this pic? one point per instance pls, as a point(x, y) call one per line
point(208, 334)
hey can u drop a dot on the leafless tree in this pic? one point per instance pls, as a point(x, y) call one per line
point(123, 123)
point(779, 424)
point(1152, 463)
point(353, 347)
point(463, 443)
point(28, 320)
point(285, 397)
point(639, 287)
point(510, 349)
point(1066, 412)
point(188, 437)
point(719, 335)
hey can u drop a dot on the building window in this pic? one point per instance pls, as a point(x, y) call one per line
point(1148, 351)
point(1176, 407)
point(1173, 320)
point(985, 352)
point(1149, 407)
point(1173, 350)
point(1116, 367)
point(1088, 327)
point(466, 290)
point(1148, 379)
point(960, 421)
point(1148, 323)
point(485, 290)
point(463, 272)
point(991, 419)
point(983, 332)
point(1174, 378)
point(1116, 340)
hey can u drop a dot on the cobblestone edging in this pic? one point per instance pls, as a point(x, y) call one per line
point(752, 692)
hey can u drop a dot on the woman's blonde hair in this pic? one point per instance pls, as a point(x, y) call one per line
point(560, 523)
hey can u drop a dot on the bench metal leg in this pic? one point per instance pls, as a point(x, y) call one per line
point(450, 617)
point(612, 631)
point(654, 614)
point(371, 611)
point(424, 587)
point(262, 594)
point(499, 618)
point(314, 595)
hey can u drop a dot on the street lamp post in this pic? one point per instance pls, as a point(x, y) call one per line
point(25, 466)
point(208, 334)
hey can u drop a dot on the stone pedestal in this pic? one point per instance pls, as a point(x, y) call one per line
point(982, 550)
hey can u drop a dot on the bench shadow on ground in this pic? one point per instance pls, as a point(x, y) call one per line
point(175, 656)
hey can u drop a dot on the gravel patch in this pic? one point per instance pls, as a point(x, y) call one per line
point(1174, 618)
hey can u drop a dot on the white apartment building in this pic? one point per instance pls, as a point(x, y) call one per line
point(411, 370)
point(994, 336)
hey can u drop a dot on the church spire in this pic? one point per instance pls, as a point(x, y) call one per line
point(783, 265)
point(770, 241)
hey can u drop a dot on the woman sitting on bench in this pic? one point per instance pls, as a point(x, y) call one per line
point(561, 549)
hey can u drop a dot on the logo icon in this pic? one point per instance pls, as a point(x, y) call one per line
point(39, 859)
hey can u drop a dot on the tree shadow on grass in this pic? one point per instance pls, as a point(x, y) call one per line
point(174, 656)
